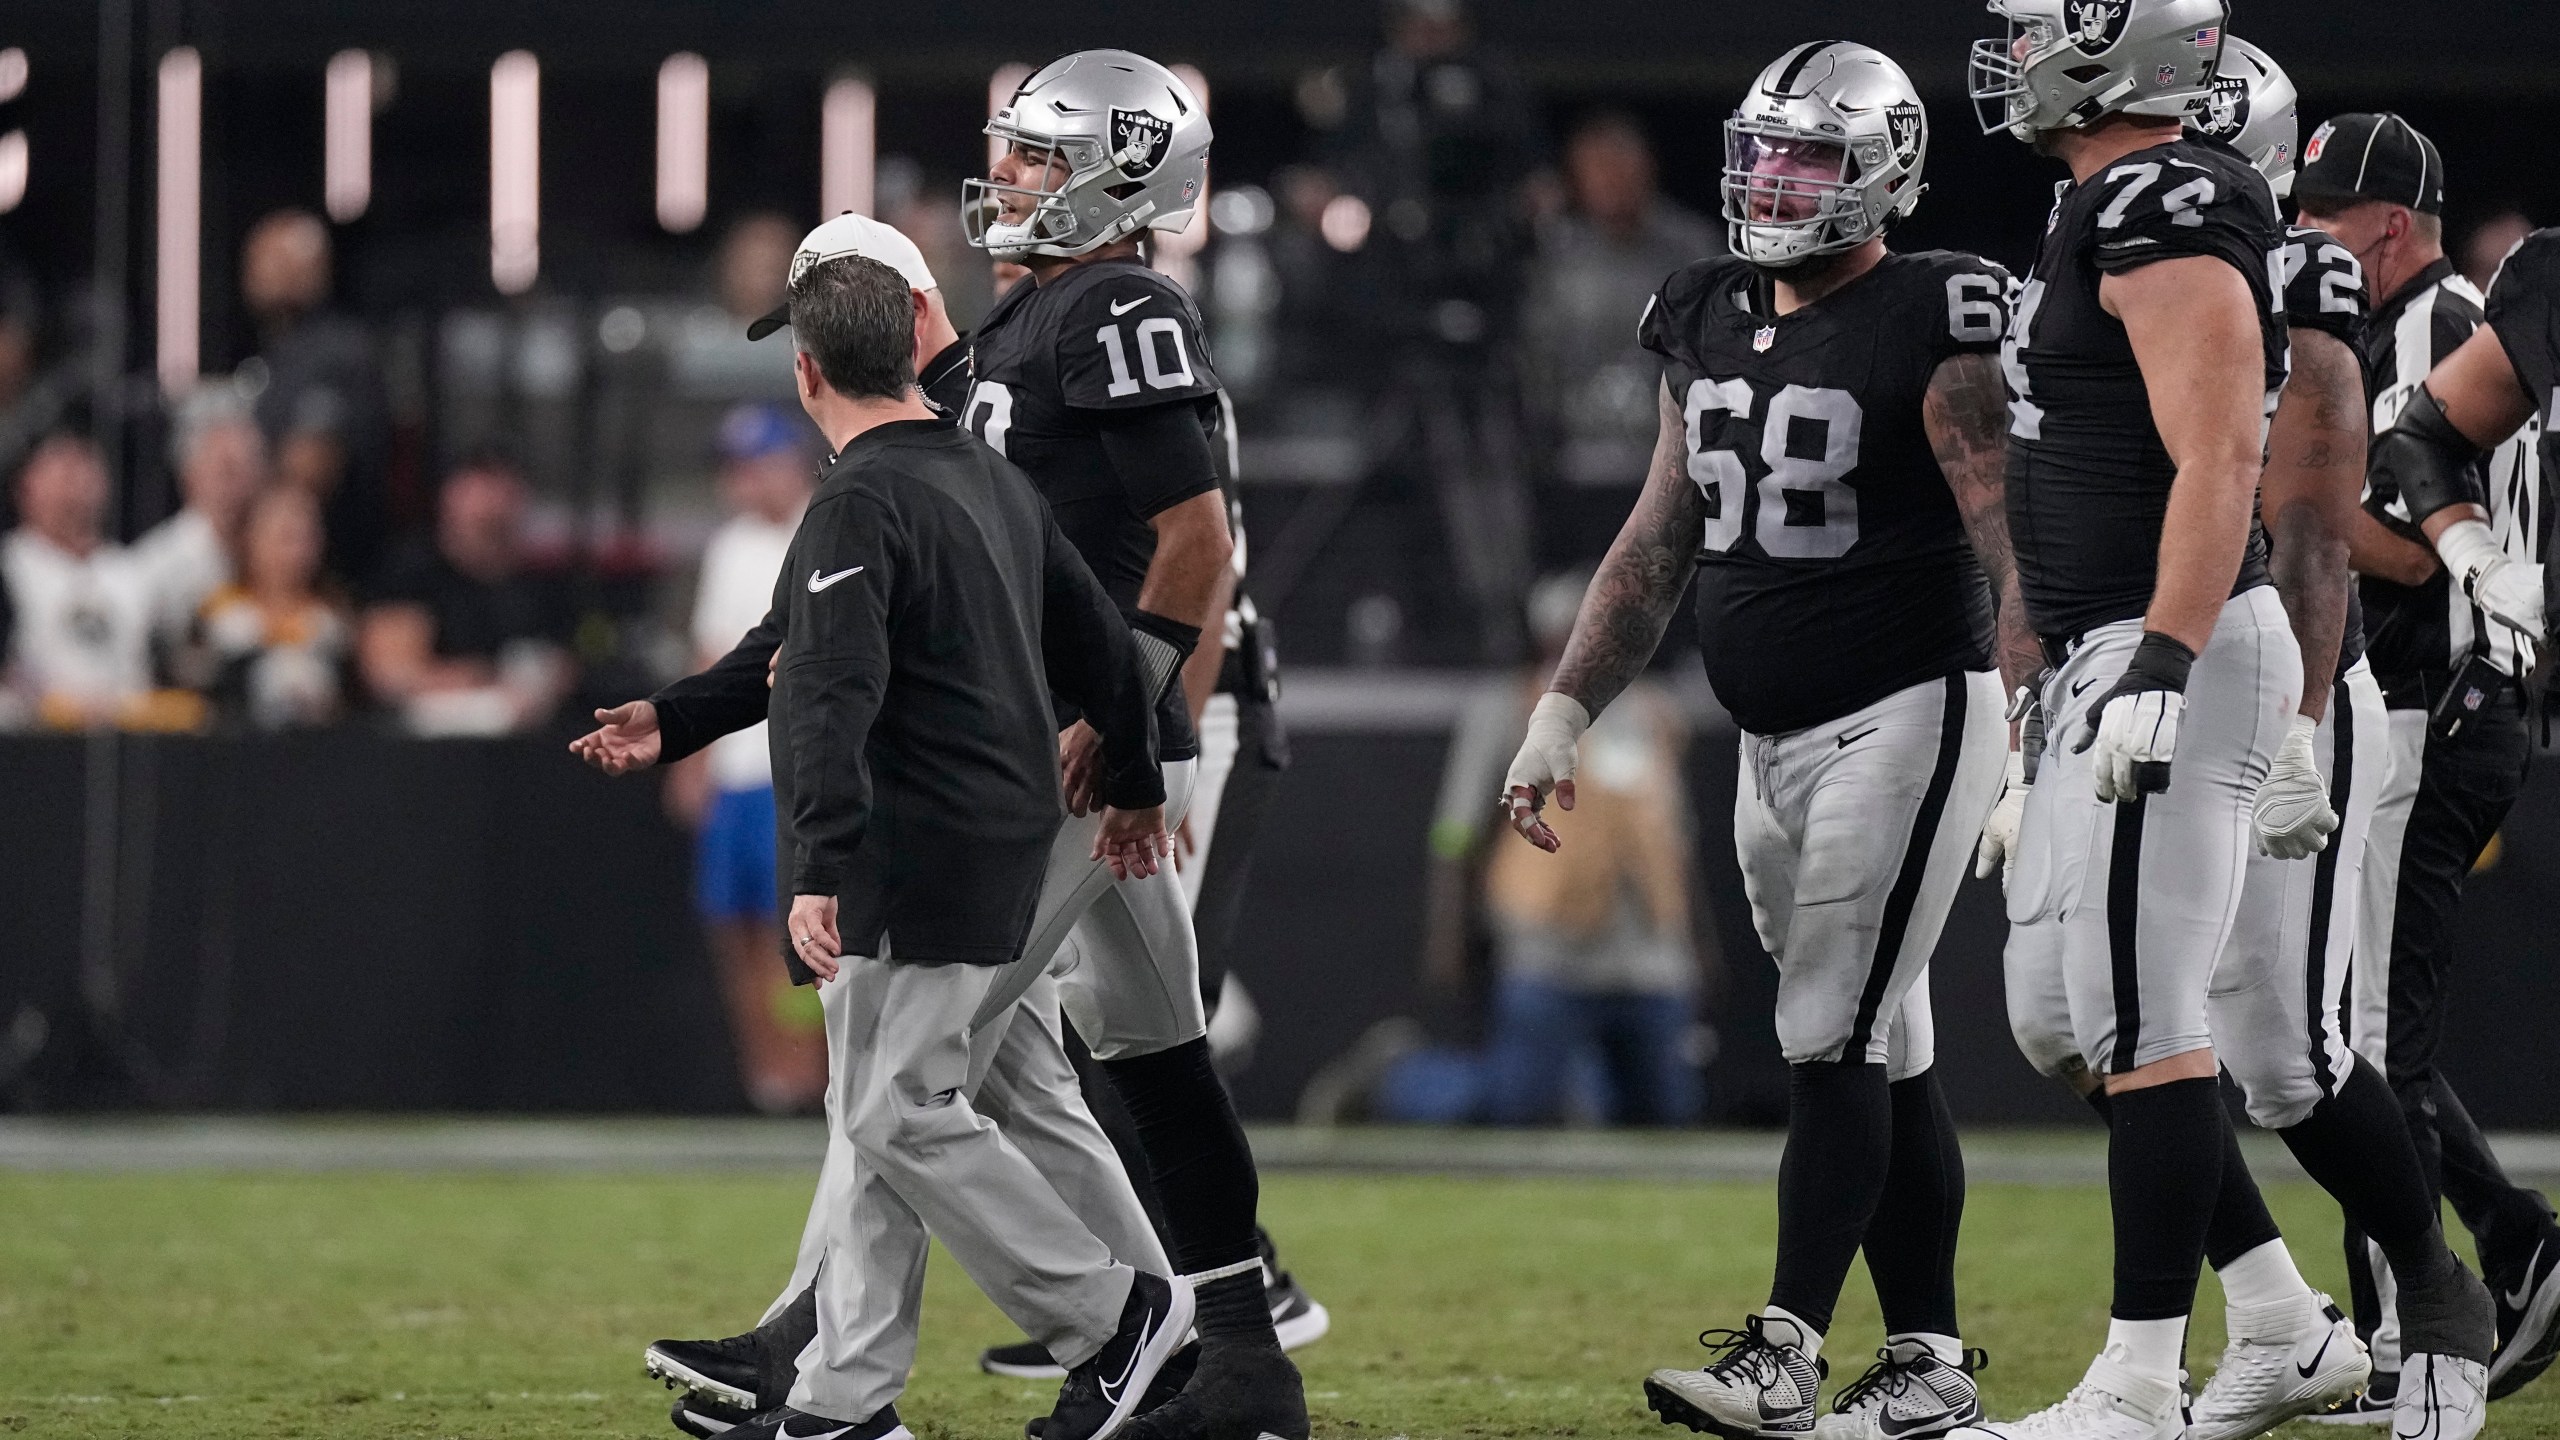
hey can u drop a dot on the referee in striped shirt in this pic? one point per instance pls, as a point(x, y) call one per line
point(2451, 592)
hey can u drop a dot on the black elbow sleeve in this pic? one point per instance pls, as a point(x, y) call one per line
point(2426, 461)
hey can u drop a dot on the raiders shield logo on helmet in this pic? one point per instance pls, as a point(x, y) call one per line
point(1138, 138)
point(1902, 122)
point(2096, 25)
point(2226, 111)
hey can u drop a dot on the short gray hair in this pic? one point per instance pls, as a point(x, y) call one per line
point(856, 318)
point(214, 404)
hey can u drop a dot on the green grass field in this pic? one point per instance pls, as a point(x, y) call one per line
point(354, 1307)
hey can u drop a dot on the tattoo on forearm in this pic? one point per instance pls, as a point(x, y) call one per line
point(1966, 412)
point(1641, 580)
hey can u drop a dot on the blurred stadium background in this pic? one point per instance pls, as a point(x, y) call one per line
point(526, 231)
point(379, 246)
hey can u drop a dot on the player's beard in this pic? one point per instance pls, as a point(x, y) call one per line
point(1811, 270)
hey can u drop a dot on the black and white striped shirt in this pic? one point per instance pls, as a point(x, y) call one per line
point(2430, 628)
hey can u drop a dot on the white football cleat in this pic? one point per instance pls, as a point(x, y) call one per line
point(1755, 1388)
point(2111, 1402)
point(2441, 1398)
point(1908, 1394)
point(2274, 1372)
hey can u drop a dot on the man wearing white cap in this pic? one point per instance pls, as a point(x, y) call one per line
point(862, 1251)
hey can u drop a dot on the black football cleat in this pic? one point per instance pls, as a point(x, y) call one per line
point(702, 1417)
point(1169, 1382)
point(1100, 1396)
point(784, 1423)
point(1295, 1317)
point(2528, 1301)
point(1239, 1390)
point(751, 1372)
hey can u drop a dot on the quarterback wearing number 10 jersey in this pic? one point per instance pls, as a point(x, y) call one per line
point(1057, 367)
point(1835, 569)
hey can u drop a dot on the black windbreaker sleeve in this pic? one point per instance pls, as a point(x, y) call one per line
point(1092, 661)
point(728, 697)
point(833, 681)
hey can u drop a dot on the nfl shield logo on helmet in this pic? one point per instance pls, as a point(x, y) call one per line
point(2096, 25)
point(2168, 75)
point(1138, 138)
point(1903, 122)
point(1766, 337)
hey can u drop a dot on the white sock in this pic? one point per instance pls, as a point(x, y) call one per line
point(1783, 1328)
point(1948, 1349)
point(2148, 1347)
point(2262, 1277)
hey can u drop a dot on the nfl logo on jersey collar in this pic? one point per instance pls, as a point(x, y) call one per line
point(1766, 336)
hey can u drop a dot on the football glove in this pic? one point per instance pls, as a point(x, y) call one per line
point(2135, 724)
point(2292, 811)
point(1998, 848)
point(2509, 590)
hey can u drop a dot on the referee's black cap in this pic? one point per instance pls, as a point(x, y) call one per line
point(2361, 156)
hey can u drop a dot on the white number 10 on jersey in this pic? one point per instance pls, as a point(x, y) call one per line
point(1796, 488)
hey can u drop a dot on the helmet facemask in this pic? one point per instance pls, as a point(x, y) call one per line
point(1047, 222)
point(1996, 77)
point(1790, 194)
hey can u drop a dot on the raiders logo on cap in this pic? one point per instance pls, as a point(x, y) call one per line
point(2319, 141)
point(2096, 25)
point(1902, 122)
point(1139, 139)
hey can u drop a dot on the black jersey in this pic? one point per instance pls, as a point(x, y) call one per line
point(1050, 365)
point(2418, 631)
point(2324, 291)
point(2088, 477)
point(944, 380)
point(2524, 308)
point(1835, 568)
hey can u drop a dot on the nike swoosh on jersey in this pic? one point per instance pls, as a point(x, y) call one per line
point(2083, 685)
point(2515, 1298)
point(818, 582)
point(1121, 308)
point(1848, 740)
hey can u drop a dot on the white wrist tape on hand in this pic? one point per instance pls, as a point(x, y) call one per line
point(1548, 752)
point(2469, 550)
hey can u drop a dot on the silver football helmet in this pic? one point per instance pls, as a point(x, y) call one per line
point(1825, 151)
point(2254, 110)
point(2066, 63)
point(1130, 151)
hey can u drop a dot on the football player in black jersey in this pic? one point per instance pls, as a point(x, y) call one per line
point(1093, 376)
point(2487, 392)
point(2453, 596)
point(1829, 468)
point(2149, 332)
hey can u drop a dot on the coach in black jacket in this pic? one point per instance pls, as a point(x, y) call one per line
point(928, 608)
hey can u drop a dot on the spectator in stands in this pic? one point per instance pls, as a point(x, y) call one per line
point(278, 646)
point(768, 469)
point(2489, 243)
point(461, 637)
point(80, 648)
point(1596, 965)
point(221, 459)
point(1590, 386)
point(317, 384)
